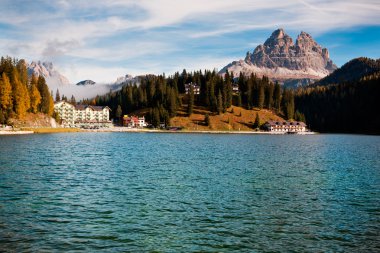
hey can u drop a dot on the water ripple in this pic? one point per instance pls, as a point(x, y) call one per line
point(125, 192)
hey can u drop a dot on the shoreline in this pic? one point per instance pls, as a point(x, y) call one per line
point(15, 132)
point(138, 130)
point(134, 130)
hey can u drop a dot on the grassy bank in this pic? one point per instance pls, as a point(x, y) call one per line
point(234, 119)
point(46, 130)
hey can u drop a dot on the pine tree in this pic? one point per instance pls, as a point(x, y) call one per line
point(155, 118)
point(261, 97)
point(249, 93)
point(172, 102)
point(118, 113)
point(190, 105)
point(220, 103)
point(269, 95)
point(129, 99)
point(46, 106)
point(277, 96)
point(57, 96)
point(242, 87)
point(239, 100)
point(164, 116)
point(298, 116)
point(257, 123)
point(228, 86)
point(207, 120)
point(73, 100)
point(288, 104)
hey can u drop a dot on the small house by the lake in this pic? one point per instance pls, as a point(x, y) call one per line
point(134, 122)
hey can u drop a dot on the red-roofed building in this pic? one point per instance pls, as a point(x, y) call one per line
point(134, 122)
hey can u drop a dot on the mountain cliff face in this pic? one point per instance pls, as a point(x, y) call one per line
point(281, 59)
point(46, 69)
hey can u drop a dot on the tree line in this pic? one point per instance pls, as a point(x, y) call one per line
point(350, 107)
point(163, 96)
point(20, 93)
point(157, 93)
point(72, 100)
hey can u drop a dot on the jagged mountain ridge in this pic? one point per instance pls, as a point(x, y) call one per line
point(281, 59)
point(46, 69)
point(125, 80)
point(353, 70)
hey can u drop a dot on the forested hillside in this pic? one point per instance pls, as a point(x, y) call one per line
point(20, 94)
point(353, 70)
point(164, 95)
point(346, 107)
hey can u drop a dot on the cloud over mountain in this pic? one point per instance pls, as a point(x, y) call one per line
point(161, 36)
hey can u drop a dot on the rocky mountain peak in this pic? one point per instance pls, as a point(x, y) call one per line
point(124, 79)
point(277, 35)
point(306, 43)
point(279, 38)
point(48, 71)
point(280, 59)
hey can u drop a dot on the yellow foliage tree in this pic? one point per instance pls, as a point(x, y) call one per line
point(51, 106)
point(25, 92)
point(18, 98)
point(5, 93)
point(35, 96)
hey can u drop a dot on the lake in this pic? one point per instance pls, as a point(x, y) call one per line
point(144, 192)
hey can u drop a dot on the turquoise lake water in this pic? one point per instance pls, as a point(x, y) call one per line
point(144, 192)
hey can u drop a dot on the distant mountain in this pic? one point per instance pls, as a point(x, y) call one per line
point(124, 80)
point(353, 70)
point(282, 60)
point(86, 82)
point(46, 69)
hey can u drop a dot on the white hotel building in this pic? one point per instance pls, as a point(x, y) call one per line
point(285, 126)
point(83, 115)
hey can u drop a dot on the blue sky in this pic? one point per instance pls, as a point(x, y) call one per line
point(102, 40)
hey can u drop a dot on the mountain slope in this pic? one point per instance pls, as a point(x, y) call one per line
point(86, 82)
point(281, 60)
point(345, 107)
point(352, 71)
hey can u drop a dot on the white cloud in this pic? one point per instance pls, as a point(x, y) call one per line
point(119, 32)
